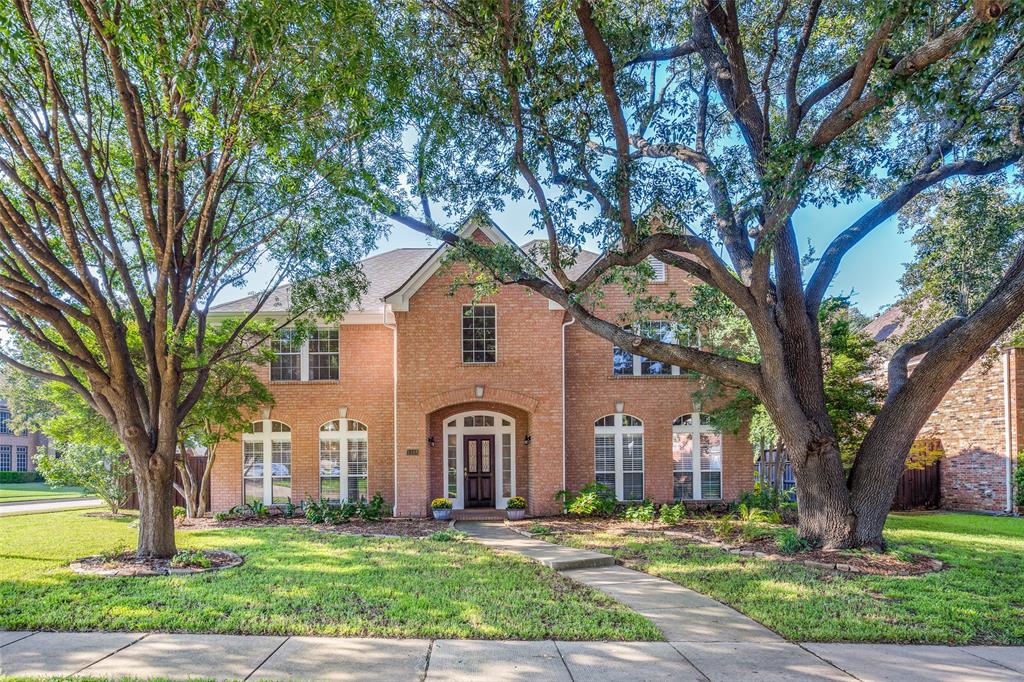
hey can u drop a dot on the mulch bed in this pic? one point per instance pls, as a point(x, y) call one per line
point(389, 527)
point(127, 564)
point(701, 531)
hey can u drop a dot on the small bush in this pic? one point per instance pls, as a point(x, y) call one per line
point(517, 502)
point(342, 513)
point(751, 514)
point(114, 553)
point(190, 558)
point(221, 516)
point(372, 510)
point(441, 503)
point(448, 536)
point(316, 512)
point(539, 529)
point(179, 513)
point(593, 499)
point(750, 531)
point(672, 513)
point(790, 542)
point(724, 528)
point(290, 509)
point(640, 513)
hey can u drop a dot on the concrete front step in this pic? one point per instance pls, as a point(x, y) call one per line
point(479, 515)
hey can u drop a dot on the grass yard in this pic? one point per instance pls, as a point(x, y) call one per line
point(23, 492)
point(978, 599)
point(297, 581)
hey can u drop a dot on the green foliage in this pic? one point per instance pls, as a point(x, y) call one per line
point(539, 529)
point(1018, 481)
point(791, 543)
point(639, 513)
point(256, 509)
point(190, 558)
point(21, 477)
point(724, 528)
point(101, 470)
point(965, 238)
point(337, 514)
point(372, 510)
point(440, 503)
point(592, 499)
point(765, 497)
point(316, 511)
point(114, 552)
point(221, 516)
point(448, 535)
point(517, 502)
point(672, 513)
point(178, 513)
point(751, 514)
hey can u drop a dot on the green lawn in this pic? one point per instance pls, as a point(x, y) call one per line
point(298, 581)
point(978, 599)
point(22, 492)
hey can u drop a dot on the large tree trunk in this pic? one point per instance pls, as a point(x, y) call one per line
point(155, 483)
point(826, 509)
point(204, 486)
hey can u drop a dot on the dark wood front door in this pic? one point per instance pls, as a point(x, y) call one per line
point(478, 452)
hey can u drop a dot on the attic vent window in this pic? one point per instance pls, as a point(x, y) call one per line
point(659, 269)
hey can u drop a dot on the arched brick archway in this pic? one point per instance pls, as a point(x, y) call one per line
point(468, 394)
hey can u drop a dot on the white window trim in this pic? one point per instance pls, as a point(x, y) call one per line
point(638, 360)
point(695, 428)
point(18, 452)
point(268, 437)
point(459, 430)
point(9, 451)
point(343, 436)
point(304, 361)
point(618, 430)
point(462, 340)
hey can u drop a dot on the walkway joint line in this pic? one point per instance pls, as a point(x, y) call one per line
point(115, 651)
point(264, 661)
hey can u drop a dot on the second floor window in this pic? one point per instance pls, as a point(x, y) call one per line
point(312, 359)
point(627, 364)
point(5, 417)
point(287, 363)
point(479, 334)
point(323, 355)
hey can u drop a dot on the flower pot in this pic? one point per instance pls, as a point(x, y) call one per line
point(442, 514)
point(516, 514)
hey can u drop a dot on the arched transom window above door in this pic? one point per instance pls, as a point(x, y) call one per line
point(267, 462)
point(619, 455)
point(344, 460)
point(696, 458)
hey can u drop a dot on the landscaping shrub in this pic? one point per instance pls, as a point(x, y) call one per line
point(640, 513)
point(724, 528)
point(20, 477)
point(316, 512)
point(517, 502)
point(178, 513)
point(372, 510)
point(539, 529)
point(189, 558)
point(341, 513)
point(592, 499)
point(790, 542)
point(672, 513)
point(751, 514)
point(440, 503)
point(1018, 482)
point(221, 516)
point(290, 509)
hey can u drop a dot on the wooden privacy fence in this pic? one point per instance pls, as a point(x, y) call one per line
point(920, 486)
point(196, 463)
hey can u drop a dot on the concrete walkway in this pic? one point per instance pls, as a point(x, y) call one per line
point(41, 506)
point(681, 614)
point(236, 657)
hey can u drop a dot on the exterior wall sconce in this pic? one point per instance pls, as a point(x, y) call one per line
point(479, 390)
point(430, 441)
point(526, 439)
point(619, 406)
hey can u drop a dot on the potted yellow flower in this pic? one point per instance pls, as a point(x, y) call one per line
point(516, 508)
point(442, 507)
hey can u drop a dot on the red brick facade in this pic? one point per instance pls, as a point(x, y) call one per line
point(971, 423)
point(404, 377)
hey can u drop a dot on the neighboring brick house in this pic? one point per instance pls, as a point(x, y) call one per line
point(17, 448)
point(979, 424)
point(422, 393)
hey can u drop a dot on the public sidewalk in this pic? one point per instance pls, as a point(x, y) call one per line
point(237, 657)
point(42, 506)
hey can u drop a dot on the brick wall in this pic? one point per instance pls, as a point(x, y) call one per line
point(593, 390)
point(364, 388)
point(971, 423)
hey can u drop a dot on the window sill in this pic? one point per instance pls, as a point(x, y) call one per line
point(286, 382)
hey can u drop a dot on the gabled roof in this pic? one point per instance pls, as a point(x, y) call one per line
point(383, 272)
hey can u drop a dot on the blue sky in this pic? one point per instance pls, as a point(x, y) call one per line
point(870, 271)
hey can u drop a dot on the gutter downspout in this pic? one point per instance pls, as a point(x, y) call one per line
point(565, 436)
point(1005, 356)
point(394, 406)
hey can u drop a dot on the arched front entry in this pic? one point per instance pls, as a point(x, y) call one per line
point(479, 459)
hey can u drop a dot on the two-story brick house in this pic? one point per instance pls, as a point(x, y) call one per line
point(420, 393)
point(17, 448)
